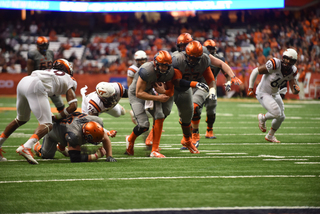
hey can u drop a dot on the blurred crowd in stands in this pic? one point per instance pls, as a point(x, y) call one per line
point(246, 43)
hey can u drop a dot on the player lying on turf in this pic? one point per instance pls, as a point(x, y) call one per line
point(74, 131)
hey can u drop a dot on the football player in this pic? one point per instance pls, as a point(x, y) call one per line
point(210, 104)
point(140, 57)
point(32, 95)
point(157, 75)
point(218, 64)
point(69, 134)
point(105, 99)
point(275, 73)
point(42, 59)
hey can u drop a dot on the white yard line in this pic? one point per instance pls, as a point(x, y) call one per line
point(164, 178)
point(307, 162)
point(183, 209)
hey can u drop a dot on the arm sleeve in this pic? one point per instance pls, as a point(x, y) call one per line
point(253, 77)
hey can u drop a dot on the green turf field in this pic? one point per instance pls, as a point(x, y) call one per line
point(238, 169)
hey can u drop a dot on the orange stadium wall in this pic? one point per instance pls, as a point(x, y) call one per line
point(9, 82)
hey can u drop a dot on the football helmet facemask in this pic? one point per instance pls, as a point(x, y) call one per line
point(42, 44)
point(140, 57)
point(162, 61)
point(211, 46)
point(107, 94)
point(63, 65)
point(183, 40)
point(92, 132)
point(289, 58)
point(194, 52)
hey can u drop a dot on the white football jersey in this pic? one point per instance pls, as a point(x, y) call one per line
point(271, 82)
point(56, 82)
point(92, 103)
point(132, 70)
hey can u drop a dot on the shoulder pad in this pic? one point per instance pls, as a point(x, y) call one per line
point(31, 54)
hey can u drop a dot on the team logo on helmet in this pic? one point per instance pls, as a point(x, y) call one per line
point(107, 94)
point(63, 65)
point(162, 58)
point(93, 132)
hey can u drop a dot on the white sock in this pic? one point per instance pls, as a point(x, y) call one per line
point(272, 131)
point(30, 143)
point(2, 139)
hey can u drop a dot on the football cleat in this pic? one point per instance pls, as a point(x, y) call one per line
point(155, 154)
point(36, 149)
point(271, 138)
point(129, 146)
point(196, 139)
point(185, 148)
point(189, 145)
point(27, 154)
point(262, 124)
point(183, 142)
point(149, 140)
point(1, 156)
point(210, 134)
point(64, 151)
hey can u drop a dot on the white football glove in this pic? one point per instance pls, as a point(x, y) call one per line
point(212, 94)
point(228, 86)
point(202, 86)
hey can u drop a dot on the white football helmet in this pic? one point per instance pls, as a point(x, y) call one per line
point(140, 55)
point(290, 53)
point(107, 94)
point(289, 58)
point(105, 90)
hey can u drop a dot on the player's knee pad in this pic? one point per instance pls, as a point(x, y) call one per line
point(138, 130)
point(196, 112)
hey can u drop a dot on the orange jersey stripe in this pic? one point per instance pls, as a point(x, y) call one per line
point(273, 63)
point(95, 105)
point(131, 69)
point(121, 89)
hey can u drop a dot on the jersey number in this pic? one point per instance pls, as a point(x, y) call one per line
point(45, 65)
point(192, 76)
point(70, 118)
point(276, 83)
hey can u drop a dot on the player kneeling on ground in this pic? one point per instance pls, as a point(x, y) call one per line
point(74, 131)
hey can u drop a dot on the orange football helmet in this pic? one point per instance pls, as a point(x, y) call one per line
point(183, 40)
point(194, 52)
point(211, 46)
point(93, 132)
point(42, 44)
point(163, 61)
point(63, 65)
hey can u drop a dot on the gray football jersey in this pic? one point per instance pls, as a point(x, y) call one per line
point(148, 74)
point(195, 73)
point(41, 62)
point(69, 130)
